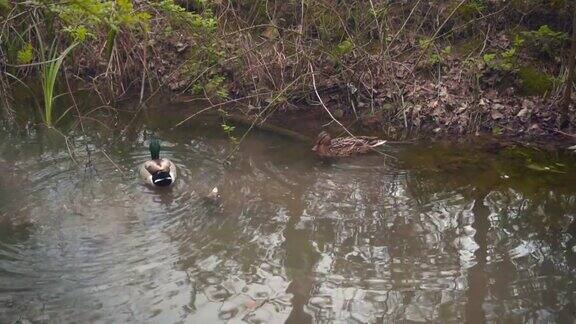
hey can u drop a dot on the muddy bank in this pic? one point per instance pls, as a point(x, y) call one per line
point(409, 70)
point(305, 123)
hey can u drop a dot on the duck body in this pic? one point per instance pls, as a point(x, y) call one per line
point(214, 200)
point(326, 146)
point(214, 196)
point(158, 172)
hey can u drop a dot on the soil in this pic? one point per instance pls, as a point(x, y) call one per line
point(308, 121)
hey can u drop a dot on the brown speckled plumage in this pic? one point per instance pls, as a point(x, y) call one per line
point(345, 146)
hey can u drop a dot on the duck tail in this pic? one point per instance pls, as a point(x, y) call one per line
point(162, 179)
point(378, 143)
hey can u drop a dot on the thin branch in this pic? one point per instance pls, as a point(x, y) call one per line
point(330, 114)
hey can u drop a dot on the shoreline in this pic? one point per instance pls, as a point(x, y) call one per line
point(304, 125)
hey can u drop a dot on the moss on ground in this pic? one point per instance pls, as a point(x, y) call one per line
point(535, 82)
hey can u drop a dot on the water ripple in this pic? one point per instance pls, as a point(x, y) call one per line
point(295, 239)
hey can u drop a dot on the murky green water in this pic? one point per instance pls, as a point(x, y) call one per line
point(441, 234)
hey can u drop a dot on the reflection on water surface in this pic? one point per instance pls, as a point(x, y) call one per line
point(442, 234)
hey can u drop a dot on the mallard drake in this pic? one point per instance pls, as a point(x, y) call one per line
point(158, 172)
point(326, 146)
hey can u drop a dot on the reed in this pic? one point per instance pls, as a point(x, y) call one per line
point(50, 71)
point(49, 67)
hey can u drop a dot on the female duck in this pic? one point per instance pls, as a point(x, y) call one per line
point(344, 146)
point(158, 172)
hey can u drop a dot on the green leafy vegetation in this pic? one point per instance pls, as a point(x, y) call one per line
point(79, 16)
point(25, 55)
point(545, 40)
point(343, 48)
point(4, 7)
point(50, 71)
point(535, 82)
point(229, 131)
point(180, 18)
point(413, 63)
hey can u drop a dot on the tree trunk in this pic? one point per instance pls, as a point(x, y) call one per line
point(566, 99)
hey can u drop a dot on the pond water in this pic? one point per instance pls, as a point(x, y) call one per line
point(434, 233)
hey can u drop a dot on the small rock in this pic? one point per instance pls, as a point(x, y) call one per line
point(496, 115)
point(523, 112)
point(462, 108)
point(216, 293)
point(177, 85)
point(320, 301)
point(389, 106)
point(534, 127)
point(181, 47)
point(234, 286)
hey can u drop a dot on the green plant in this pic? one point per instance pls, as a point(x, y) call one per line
point(229, 130)
point(506, 60)
point(343, 48)
point(545, 40)
point(4, 7)
point(488, 58)
point(179, 17)
point(470, 9)
point(26, 54)
point(202, 66)
point(215, 86)
point(80, 16)
point(425, 42)
point(210, 84)
point(535, 82)
point(49, 74)
point(79, 33)
point(438, 57)
point(434, 56)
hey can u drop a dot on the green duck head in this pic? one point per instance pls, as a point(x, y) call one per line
point(154, 148)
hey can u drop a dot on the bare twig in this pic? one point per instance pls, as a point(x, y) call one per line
point(328, 111)
point(112, 161)
point(569, 83)
point(280, 93)
point(425, 49)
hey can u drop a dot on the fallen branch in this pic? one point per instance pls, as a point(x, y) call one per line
point(266, 127)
